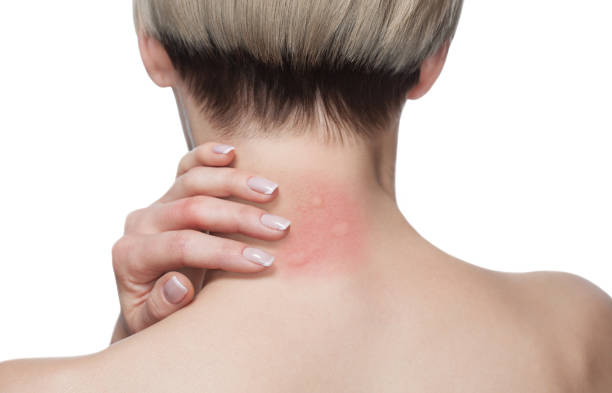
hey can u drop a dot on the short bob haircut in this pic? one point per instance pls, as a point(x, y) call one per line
point(260, 67)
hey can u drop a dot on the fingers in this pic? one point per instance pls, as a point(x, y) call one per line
point(146, 256)
point(213, 214)
point(206, 154)
point(221, 182)
point(166, 236)
point(171, 292)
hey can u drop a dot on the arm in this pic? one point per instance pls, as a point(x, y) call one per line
point(600, 330)
point(587, 322)
point(160, 261)
point(121, 330)
point(578, 317)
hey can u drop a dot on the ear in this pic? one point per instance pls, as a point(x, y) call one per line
point(156, 61)
point(430, 71)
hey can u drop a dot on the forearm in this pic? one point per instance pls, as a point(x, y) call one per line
point(121, 331)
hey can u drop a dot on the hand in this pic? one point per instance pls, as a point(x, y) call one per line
point(161, 259)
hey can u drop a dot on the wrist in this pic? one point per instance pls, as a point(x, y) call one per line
point(121, 330)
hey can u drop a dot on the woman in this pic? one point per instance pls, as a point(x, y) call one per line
point(343, 294)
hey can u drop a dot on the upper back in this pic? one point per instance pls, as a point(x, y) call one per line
point(447, 327)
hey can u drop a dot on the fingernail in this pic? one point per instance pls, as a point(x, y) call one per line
point(262, 185)
point(223, 149)
point(258, 256)
point(275, 222)
point(174, 291)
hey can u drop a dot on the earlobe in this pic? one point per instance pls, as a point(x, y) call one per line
point(156, 61)
point(430, 71)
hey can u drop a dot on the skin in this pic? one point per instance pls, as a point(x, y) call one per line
point(329, 222)
point(324, 206)
point(356, 299)
point(167, 235)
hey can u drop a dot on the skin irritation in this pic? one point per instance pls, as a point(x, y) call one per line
point(328, 231)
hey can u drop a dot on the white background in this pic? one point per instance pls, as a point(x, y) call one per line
point(505, 164)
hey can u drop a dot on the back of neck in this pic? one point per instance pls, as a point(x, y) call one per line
point(334, 196)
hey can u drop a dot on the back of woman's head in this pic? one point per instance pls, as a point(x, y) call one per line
point(341, 66)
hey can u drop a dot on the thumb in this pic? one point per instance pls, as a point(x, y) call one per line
point(171, 292)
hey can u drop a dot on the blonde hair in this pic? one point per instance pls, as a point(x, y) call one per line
point(347, 63)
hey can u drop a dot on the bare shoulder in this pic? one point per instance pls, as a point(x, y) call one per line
point(578, 301)
point(577, 315)
point(44, 375)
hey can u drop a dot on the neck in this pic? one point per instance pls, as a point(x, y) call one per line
point(339, 198)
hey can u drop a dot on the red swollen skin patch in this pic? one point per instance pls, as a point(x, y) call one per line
point(327, 234)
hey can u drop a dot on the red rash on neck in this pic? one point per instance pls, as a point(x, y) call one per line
point(328, 231)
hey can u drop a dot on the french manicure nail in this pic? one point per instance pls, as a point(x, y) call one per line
point(275, 222)
point(258, 256)
point(262, 185)
point(174, 291)
point(223, 149)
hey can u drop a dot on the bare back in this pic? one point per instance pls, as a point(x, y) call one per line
point(440, 325)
